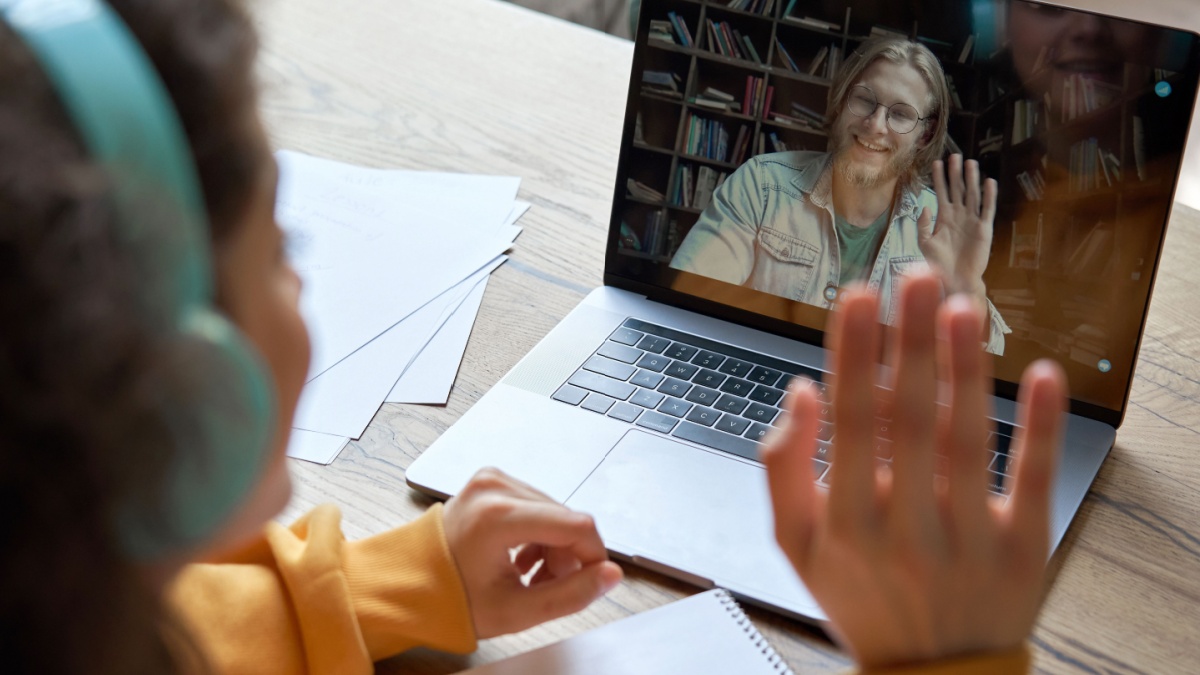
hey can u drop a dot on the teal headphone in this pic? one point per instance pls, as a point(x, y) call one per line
point(222, 433)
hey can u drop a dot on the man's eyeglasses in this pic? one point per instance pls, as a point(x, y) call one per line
point(901, 117)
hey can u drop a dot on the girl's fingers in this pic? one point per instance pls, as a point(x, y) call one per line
point(852, 478)
point(1042, 400)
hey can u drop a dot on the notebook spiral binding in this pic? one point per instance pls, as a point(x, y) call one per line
point(760, 642)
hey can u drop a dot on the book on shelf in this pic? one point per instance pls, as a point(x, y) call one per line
point(968, 46)
point(1025, 249)
point(785, 57)
point(767, 103)
point(707, 138)
point(777, 144)
point(752, 104)
point(818, 60)
point(1082, 95)
point(883, 32)
point(707, 180)
point(681, 30)
point(815, 23)
point(1032, 184)
point(1027, 116)
point(655, 233)
point(662, 83)
point(716, 99)
point(955, 100)
point(663, 31)
point(833, 62)
point(741, 145)
point(804, 112)
point(640, 190)
point(751, 49)
point(763, 7)
point(793, 121)
point(992, 141)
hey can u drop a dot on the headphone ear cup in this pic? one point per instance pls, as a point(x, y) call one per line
point(221, 425)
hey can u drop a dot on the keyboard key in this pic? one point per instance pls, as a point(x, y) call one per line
point(819, 469)
point(1000, 464)
point(706, 359)
point(647, 379)
point(736, 367)
point(569, 394)
point(1000, 443)
point(615, 369)
point(619, 352)
point(708, 378)
point(626, 412)
point(703, 395)
point(675, 407)
point(655, 362)
point(825, 432)
point(682, 370)
point(674, 387)
point(731, 404)
point(737, 387)
point(760, 413)
point(758, 432)
point(681, 351)
point(602, 385)
point(597, 403)
point(767, 395)
point(626, 336)
point(653, 344)
point(702, 415)
point(647, 398)
point(998, 483)
point(714, 439)
point(657, 422)
point(823, 452)
point(732, 424)
point(765, 376)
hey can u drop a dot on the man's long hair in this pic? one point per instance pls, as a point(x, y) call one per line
point(937, 108)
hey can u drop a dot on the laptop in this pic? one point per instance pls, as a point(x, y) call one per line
point(646, 406)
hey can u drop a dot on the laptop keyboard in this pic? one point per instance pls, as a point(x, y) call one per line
point(716, 395)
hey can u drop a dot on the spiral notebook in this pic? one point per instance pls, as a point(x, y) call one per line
point(705, 633)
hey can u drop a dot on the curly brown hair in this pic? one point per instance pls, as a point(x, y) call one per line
point(82, 369)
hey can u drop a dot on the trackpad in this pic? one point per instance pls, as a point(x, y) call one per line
point(694, 510)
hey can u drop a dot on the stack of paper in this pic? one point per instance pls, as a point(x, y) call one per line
point(394, 265)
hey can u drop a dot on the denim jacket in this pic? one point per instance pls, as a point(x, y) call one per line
point(770, 227)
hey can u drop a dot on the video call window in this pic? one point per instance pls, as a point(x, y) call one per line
point(726, 178)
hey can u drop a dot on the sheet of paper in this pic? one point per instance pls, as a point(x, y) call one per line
point(343, 400)
point(313, 447)
point(431, 375)
point(372, 246)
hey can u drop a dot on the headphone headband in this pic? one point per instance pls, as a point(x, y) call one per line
point(102, 76)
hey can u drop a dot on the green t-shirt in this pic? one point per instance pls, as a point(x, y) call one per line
point(858, 246)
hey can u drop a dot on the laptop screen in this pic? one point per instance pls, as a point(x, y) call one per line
point(777, 151)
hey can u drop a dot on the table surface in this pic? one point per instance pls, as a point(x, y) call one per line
point(480, 86)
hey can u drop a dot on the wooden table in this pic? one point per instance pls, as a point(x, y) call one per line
point(479, 86)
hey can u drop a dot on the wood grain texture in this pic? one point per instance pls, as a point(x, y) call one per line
point(481, 86)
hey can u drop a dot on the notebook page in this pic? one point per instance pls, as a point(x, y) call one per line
point(705, 633)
